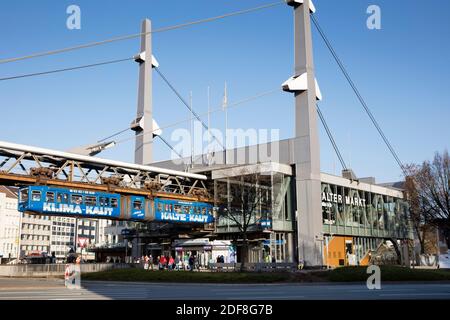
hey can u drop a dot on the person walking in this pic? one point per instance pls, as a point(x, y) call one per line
point(145, 260)
point(177, 262)
point(150, 262)
point(171, 263)
point(191, 263)
point(163, 262)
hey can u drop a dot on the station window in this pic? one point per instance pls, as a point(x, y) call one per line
point(50, 197)
point(90, 201)
point(104, 202)
point(76, 198)
point(114, 202)
point(137, 204)
point(62, 198)
point(35, 195)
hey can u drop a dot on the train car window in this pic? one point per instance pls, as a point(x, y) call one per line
point(186, 209)
point(24, 195)
point(50, 197)
point(76, 198)
point(203, 210)
point(90, 201)
point(160, 206)
point(35, 195)
point(137, 205)
point(177, 208)
point(104, 202)
point(197, 210)
point(168, 209)
point(114, 202)
point(62, 198)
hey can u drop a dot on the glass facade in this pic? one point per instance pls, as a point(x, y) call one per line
point(349, 211)
point(269, 197)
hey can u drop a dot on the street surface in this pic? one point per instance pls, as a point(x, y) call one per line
point(53, 289)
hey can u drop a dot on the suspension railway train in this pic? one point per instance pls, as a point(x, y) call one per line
point(89, 204)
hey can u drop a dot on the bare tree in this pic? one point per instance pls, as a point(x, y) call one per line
point(431, 180)
point(240, 200)
point(416, 208)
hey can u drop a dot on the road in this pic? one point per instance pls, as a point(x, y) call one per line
point(53, 289)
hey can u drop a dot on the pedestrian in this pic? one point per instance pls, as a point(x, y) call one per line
point(177, 262)
point(191, 263)
point(146, 263)
point(171, 263)
point(150, 261)
point(196, 263)
point(162, 262)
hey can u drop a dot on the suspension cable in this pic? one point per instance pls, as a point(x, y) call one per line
point(358, 94)
point(187, 105)
point(330, 136)
point(170, 146)
point(64, 69)
point(232, 105)
point(137, 35)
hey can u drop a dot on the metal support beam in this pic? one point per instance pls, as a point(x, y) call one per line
point(306, 143)
point(143, 153)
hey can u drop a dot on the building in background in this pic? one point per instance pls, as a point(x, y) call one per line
point(63, 236)
point(35, 234)
point(77, 234)
point(10, 219)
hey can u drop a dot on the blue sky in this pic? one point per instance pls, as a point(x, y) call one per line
point(401, 70)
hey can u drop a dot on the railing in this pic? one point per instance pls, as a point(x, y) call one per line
point(256, 267)
point(51, 270)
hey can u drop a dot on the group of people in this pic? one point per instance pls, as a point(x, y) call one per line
point(188, 262)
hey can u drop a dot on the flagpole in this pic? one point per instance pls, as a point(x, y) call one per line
point(225, 107)
point(192, 138)
point(209, 125)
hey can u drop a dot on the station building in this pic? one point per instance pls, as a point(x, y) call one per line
point(358, 215)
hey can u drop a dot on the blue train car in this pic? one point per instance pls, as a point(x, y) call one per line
point(183, 211)
point(89, 204)
point(59, 201)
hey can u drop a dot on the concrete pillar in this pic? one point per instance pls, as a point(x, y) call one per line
point(306, 143)
point(290, 245)
point(144, 135)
